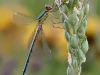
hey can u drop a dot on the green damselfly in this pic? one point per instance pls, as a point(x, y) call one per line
point(38, 33)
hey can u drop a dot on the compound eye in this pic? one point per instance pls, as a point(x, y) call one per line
point(48, 8)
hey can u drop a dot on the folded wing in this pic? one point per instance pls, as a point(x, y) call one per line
point(22, 19)
point(41, 53)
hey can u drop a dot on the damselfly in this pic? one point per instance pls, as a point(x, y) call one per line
point(38, 34)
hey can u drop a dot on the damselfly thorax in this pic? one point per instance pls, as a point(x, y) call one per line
point(43, 16)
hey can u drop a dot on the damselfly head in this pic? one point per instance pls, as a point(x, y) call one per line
point(48, 7)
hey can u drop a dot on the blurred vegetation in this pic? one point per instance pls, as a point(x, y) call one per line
point(14, 40)
point(97, 7)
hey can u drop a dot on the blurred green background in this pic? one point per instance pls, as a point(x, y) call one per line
point(14, 40)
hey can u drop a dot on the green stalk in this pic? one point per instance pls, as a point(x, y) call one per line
point(74, 13)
